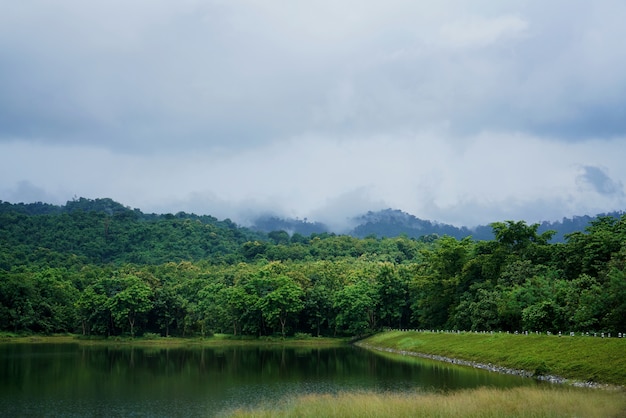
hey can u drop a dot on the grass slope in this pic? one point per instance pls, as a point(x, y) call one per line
point(601, 360)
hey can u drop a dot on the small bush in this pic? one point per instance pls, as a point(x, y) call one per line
point(541, 369)
point(90, 337)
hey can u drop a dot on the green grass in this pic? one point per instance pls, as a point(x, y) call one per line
point(482, 402)
point(601, 360)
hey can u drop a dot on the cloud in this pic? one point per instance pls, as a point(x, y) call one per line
point(148, 76)
point(480, 32)
point(243, 106)
point(494, 176)
point(25, 191)
point(598, 180)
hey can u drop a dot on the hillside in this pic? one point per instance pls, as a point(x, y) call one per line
point(389, 223)
point(104, 231)
point(97, 267)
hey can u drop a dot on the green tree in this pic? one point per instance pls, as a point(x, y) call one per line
point(436, 287)
point(392, 293)
point(168, 307)
point(518, 238)
point(539, 316)
point(282, 302)
point(614, 296)
point(236, 303)
point(279, 237)
point(93, 307)
point(55, 301)
point(133, 299)
point(17, 296)
point(357, 306)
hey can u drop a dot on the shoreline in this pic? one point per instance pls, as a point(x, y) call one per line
point(166, 342)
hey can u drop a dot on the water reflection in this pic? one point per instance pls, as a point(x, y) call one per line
point(81, 380)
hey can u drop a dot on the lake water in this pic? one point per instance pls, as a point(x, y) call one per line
point(72, 380)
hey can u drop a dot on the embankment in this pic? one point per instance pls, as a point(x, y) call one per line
point(580, 361)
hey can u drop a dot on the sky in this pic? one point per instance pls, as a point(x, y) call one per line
point(461, 112)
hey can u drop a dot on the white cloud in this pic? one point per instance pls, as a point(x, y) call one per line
point(477, 31)
point(494, 176)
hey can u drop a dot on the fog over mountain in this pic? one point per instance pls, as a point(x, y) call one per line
point(393, 223)
point(385, 223)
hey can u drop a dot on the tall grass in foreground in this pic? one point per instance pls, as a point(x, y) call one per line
point(483, 402)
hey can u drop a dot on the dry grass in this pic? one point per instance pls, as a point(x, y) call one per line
point(483, 402)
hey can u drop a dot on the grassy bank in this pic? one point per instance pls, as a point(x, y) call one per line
point(483, 402)
point(216, 340)
point(600, 360)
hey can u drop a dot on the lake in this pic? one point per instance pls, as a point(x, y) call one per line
point(76, 380)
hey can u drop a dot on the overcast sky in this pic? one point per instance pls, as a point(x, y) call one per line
point(463, 112)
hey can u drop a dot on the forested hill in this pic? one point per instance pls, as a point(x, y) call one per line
point(99, 268)
point(103, 231)
point(394, 223)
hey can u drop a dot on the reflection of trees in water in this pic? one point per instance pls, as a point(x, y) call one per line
point(187, 372)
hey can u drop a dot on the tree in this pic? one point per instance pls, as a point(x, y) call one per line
point(317, 306)
point(539, 316)
point(168, 306)
point(392, 293)
point(235, 302)
point(56, 296)
point(517, 236)
point(282, 302)
point(614, 302)
point(435, 289)
point(279, 237)
point(17, 296)
point(483, 311)
point(132, 300)
point(93, 307)
point(591, 252)
point(357, 307)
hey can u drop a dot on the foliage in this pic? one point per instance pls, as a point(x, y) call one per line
point(97, 268)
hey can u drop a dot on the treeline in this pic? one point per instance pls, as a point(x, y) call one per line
point(102, 231)
point(118, 272)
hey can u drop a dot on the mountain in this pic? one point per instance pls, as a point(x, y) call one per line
point(385, 223)
point(269, 223)
point(103, 231)
point(389, 223)
point(393, 222)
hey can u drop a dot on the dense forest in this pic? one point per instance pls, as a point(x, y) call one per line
point(95, 267)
